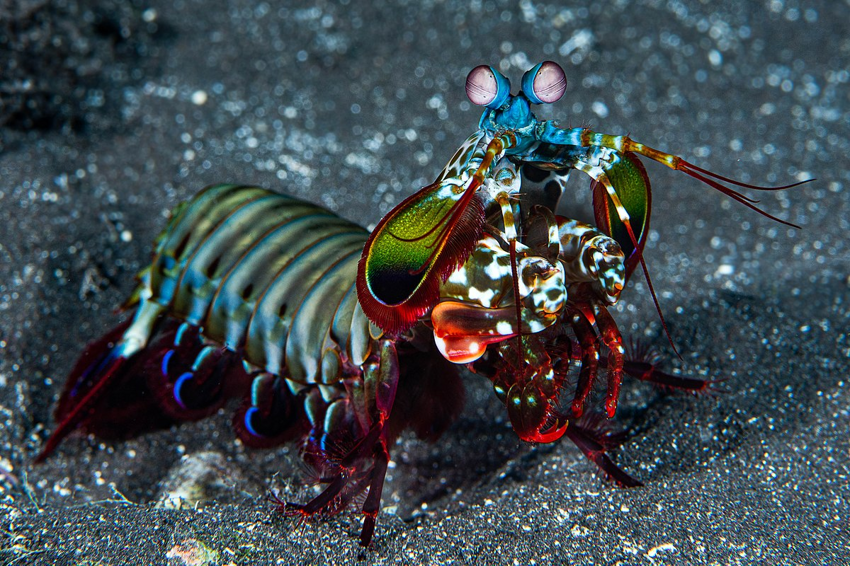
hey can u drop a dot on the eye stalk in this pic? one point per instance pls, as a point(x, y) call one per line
point(544, 83)
point(485, 86)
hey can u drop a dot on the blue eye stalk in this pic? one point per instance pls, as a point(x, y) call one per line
point(544, 83)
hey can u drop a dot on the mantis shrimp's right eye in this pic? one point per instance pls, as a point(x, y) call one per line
point(485, 86)
point(544, 83)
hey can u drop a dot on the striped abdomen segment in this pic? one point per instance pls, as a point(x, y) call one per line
point(267, 275)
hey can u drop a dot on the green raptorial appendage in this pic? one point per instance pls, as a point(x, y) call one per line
point(628, 177)
point(413, 249)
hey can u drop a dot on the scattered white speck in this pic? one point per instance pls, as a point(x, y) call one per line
point(126, 236)
point(599, 109)
point(725, 269)
point(581, 40)
point(715, 58)
point(149, 15)
point(199, 97)
point(579, 531)
point(666, 547)
point(436, 102)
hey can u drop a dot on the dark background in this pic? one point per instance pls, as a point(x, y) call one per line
point(113, 112)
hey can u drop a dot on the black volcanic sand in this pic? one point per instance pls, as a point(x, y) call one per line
point(113, 112)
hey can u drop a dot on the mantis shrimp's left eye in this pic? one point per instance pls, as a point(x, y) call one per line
point(485, 86)
point(544, 83)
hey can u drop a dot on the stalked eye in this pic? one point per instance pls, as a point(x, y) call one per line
point(485, 86)
point(543, 83)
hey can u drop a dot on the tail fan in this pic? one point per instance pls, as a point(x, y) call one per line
point(101, 364)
